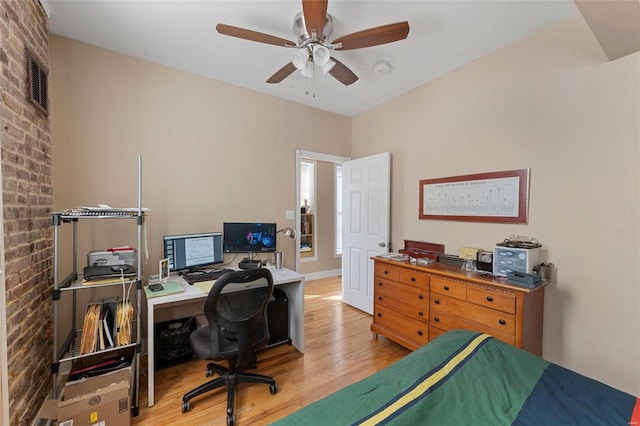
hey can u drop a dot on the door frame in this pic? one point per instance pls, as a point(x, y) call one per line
point(309, 155)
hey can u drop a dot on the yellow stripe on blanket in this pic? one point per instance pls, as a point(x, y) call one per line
point(427, 383)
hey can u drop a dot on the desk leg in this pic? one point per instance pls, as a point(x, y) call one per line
point(295, 291)
point(150, 354)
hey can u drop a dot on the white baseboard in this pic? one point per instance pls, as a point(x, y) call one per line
point(323, 274)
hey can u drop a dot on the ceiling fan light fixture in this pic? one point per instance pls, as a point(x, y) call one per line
point(300, 59)
point(308, 70)
point(321, 54)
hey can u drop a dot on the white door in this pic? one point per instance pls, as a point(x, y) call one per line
point(365, 225)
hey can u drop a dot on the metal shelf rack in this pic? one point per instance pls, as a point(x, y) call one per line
point(69, 349)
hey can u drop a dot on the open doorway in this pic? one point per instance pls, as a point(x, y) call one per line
point(316, 255)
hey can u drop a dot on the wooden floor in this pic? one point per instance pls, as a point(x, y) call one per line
point(340, 349)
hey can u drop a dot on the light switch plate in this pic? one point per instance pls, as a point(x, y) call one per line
point(289, 214)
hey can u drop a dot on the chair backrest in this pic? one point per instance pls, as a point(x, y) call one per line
point(236, 309)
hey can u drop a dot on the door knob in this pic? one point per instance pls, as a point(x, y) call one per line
point(382, 244)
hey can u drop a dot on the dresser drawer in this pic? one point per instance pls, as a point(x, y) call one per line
point(435, 332)
point(400, 296)
point(494, 299)
point(414, 278)
point(449, 288)
point(500, 321)
point(445, 321)
point(400, 325)
point(386, 271)
point(420, 313)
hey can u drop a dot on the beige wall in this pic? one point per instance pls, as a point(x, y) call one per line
point(554, 104)
point(211, 152)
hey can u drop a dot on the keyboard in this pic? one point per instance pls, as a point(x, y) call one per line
point(199, 276)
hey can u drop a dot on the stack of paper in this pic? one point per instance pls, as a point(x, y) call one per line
point(394, 256)
point(124, 315)
point(90, 329)
point(107, 323)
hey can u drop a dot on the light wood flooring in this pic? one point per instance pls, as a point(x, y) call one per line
point(340, 349)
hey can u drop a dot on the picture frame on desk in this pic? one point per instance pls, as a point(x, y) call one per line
point(163, 270)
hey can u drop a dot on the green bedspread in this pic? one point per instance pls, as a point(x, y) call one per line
point(469, 378)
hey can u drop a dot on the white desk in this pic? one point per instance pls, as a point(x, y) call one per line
point(285, 279)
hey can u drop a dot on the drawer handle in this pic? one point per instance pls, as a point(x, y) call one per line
point(379, 315)
point(386, 272)
point(502, 322)
point(420, 297)
point(419, 332)
point(379, 297)
point(437, 301)
point(436, 319)
point(489, 299)
point(420, 313)
point(446, 287)
point(379, 284)
point(413, 279)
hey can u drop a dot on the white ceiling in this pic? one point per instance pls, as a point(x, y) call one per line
point(443, 36)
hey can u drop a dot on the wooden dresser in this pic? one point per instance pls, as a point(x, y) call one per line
point(414, 304)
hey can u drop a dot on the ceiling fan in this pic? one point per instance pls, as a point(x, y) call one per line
point(313, 27)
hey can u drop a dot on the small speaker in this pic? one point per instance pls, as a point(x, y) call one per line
point(484, 261)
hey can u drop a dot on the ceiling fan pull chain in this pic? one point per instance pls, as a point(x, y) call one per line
point(310, 79)
point(313, 77)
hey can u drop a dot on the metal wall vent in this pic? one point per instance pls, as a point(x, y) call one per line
point(38, 82)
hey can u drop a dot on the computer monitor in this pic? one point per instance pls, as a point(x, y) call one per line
point(191, 251)
point(249, 237)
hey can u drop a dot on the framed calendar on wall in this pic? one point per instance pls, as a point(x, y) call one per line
point(498, 197)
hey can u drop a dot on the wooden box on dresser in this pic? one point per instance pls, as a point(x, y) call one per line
point(414, 304)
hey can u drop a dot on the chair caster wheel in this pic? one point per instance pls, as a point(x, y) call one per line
point(186, 406)
point(231, 420)
point(273, 389)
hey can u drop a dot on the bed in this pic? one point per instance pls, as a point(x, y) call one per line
point(464, 377)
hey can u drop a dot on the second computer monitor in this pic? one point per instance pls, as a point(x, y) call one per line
point(190, 251)
point(249, 237)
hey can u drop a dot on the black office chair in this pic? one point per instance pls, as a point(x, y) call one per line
point(237, 327)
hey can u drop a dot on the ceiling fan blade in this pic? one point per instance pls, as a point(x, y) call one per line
point(342, 73)
point(252, 35)
point(315, 15)
point(282, 73)
point(374, 36)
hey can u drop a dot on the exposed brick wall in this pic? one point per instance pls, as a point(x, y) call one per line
point(27, 201)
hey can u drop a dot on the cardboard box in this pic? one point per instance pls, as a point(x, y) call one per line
point(97, 401)
point(121, 356)
point(81, 387)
